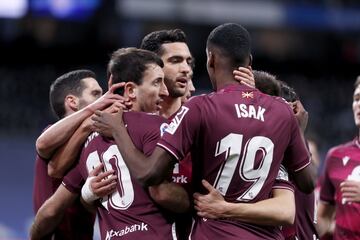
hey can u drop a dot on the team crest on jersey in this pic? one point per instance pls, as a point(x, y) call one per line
point(163, 128)
point(247, 95)
point(177, 120)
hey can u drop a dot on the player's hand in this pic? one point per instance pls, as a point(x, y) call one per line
point(108, 98)
point(300, 113)
point(117, 105)
point(107, 123)
point(209, 205)
point(350, 191)
point(103, 183)
point(245, 76)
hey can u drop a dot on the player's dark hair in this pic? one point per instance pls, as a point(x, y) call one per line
point(233, 41)
point(357, 82)
point(288, 93)
point(153, 41)
point(267, 83)
point(129, 64)
point(68, 83)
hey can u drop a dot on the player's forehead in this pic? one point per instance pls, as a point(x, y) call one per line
point(152, 72)
point(357, 91)
point(176, 49)
point(90, 83)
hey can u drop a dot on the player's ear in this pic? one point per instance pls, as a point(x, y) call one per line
point(110, 81)
point(250, 59)
point(71, 102)
point(130, 90)
point(211, 59)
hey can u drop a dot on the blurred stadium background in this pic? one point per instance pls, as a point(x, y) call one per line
point(312, 45)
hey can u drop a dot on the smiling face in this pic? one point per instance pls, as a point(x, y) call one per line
point(356, 106)
point(152, 90)
point(177, 67)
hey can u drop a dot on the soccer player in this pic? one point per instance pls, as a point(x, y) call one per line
point(171, 46)
point(305, 221)
point(129, 212)
point(72, 95)
point(237, 137)
point(340, 186)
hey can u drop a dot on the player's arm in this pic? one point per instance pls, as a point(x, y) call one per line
point(51, 213)
point(56, 135)
point(325, 218)
point(304, 178)
point(66, 155)
point(170, 196)
point(148, 170)
point(278, 210)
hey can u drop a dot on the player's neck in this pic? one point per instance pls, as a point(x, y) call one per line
point(169, 106)
point(224, 78)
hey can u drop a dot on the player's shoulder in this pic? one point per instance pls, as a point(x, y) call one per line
point(341, 149)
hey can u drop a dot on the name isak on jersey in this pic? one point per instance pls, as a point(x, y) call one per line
point(177, 120)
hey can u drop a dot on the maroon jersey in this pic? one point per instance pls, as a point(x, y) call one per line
point(342, 163)
point(182, 173)
point(237, 138)
point(128, 213)
point(77, 222)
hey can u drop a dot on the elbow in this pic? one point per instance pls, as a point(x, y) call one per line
point(41, 148)
point(54, 172)
point(151, 177)
point(288, 218)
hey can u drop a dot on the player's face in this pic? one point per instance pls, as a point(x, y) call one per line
point(356, 106)
point(190, 89)
point(152, 90)
point(177, 67)
point(91, 92)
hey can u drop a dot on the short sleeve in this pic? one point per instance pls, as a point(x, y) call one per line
point(73, 181)
point(182, 130)
point(296, 155)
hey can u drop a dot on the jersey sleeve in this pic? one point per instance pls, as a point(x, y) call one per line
point(182, 130)
point(73, 180)
point(282, 180)
point(153, 135)
point(296, 155)
point(327, 190)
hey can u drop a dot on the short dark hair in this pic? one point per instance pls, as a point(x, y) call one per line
point(357, 82)
point(68, 83)
point(233, 41)
point(267, 83)
point(288, 93)
point(129, 64)
point(153, 41)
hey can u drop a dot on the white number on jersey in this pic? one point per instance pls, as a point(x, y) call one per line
point(124, 196)
point(231, 145)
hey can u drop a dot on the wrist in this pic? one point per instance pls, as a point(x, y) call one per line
point(87, 193)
